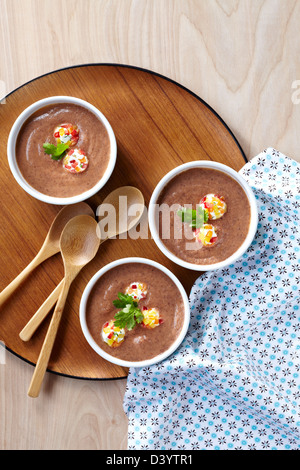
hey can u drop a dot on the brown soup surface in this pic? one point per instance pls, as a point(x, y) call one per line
point(140, 343)
point(47, 175)
point(188, 188)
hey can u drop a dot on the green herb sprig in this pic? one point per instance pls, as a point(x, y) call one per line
point(130, 314)
point(196, 218)
point(56, 151)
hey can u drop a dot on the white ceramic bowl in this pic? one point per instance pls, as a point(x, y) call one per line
point(210, 165)
point(97, 348)
point(11, 154)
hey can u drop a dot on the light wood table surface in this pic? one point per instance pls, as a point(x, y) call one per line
point(240, 56)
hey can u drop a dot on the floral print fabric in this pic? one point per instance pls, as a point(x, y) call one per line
point(234, 383)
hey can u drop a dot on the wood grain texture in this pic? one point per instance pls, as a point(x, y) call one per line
point(240, 56)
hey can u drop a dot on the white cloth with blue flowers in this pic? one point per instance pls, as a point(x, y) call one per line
point(235, 381)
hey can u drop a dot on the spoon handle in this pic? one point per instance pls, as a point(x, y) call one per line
point(42, 255)
point(43, 360)
point(40, 314)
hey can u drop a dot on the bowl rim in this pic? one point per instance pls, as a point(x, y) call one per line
point(13, 135)
point(253, 218)
point(83, 304)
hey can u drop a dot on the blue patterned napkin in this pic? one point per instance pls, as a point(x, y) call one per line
point(235, 381)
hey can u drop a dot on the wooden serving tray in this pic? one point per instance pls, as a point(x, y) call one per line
point(158, 125)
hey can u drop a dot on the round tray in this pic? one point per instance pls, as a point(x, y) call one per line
point(158, 125)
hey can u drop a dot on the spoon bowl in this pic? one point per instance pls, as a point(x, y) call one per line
point(135, 202)
point(125, 207)
point(63, 217)
point(79, 242)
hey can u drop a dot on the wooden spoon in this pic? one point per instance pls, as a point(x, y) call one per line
point(124, 224)
point(129, 205)
point(50, 246)
point(79, 244)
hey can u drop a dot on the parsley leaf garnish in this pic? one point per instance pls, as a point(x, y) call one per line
point(196, 218)
point(56, 152)
point(129, 314)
